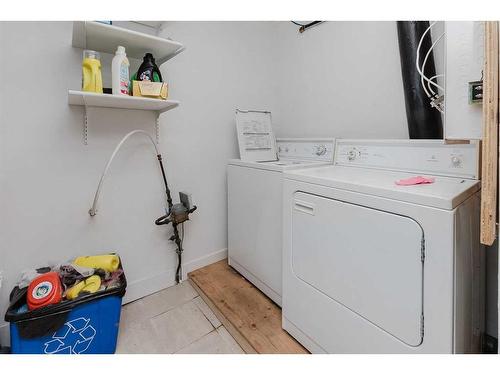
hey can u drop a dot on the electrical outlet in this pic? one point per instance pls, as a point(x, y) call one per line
point(475, 92)
point(186, 200)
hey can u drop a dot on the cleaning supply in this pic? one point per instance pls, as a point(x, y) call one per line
point(108, 262)
point(120, 72)
point(44, 290)
point(91, 72)
point(148, 71)
point(90, 285)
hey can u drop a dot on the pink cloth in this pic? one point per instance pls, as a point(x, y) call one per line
point(417, 180)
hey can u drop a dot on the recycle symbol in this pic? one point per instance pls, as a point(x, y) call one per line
point(74, 337)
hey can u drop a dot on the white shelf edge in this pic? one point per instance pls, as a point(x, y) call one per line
point(130, 39)
point(90, 99)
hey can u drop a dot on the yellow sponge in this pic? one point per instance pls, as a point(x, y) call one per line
point(107, 262)
point(90, 285)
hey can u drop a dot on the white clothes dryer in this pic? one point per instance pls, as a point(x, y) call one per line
point(373, 267)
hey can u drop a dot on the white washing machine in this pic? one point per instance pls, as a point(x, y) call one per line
point(373, 267)
point(255, 210)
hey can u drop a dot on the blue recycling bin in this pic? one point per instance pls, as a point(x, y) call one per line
point(86, 325)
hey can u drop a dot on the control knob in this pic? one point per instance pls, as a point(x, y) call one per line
point(351, 155)
point(320, 150)
point(456, 161)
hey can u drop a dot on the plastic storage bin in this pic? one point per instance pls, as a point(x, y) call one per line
point(87, 325)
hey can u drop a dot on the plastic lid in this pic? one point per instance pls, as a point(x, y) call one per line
point(149, 56)
point(120, 50)
point(89, 54)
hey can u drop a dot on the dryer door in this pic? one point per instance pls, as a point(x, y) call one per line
point(367, 260)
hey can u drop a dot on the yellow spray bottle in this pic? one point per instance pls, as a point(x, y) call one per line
point(91, 72)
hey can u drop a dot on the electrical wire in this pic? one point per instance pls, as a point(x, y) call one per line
point(178, 272)
point(299, 24)
point(304, 26)
point(182, 235)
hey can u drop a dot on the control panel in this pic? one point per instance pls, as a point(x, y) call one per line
point(421, 156)
point(306, 149)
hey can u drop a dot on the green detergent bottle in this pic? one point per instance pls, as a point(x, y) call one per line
point(148, 71)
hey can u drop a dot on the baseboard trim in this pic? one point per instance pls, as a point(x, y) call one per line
point(152, 284)
point(203, 261)
point(4, 335)
point(149, 285)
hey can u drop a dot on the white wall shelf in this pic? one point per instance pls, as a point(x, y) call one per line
point(90, 99)
point(106, 38)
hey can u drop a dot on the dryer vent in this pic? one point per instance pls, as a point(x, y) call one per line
point(424, 122)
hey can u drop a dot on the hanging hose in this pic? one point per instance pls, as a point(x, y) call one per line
point(93, 209)
point(174, 216)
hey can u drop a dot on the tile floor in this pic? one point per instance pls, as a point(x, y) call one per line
point(174, 320)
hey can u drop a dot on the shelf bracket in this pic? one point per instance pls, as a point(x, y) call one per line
point(85, 126)
point(157, 128)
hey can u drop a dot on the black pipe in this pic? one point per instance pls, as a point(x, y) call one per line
point(424, 121)
point(163, 220)
point(167, 190)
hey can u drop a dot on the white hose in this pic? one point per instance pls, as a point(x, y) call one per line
point(422, 75)
point(421, 71)
point(432, 79)
point(93, 209)
point(418, 52)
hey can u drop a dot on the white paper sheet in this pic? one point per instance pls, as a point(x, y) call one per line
point(255, 135)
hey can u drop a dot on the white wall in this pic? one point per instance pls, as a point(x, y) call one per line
point(464, 63)
point(340, 79)
point(48, 177)
point(226, 65)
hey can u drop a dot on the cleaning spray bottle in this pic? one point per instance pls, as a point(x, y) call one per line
point(120, 72)
point(91, 72)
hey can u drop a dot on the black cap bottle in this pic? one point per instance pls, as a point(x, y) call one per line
point(149, 71)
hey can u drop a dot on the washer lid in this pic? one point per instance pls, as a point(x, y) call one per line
point(278, 165)
point(295, 153)
point(445, 192)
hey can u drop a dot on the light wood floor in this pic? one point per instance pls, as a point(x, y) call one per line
point(249, 316)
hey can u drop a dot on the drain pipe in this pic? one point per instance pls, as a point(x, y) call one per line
point(424, 122)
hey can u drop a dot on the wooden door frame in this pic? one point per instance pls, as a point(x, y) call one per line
point(490, 152)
